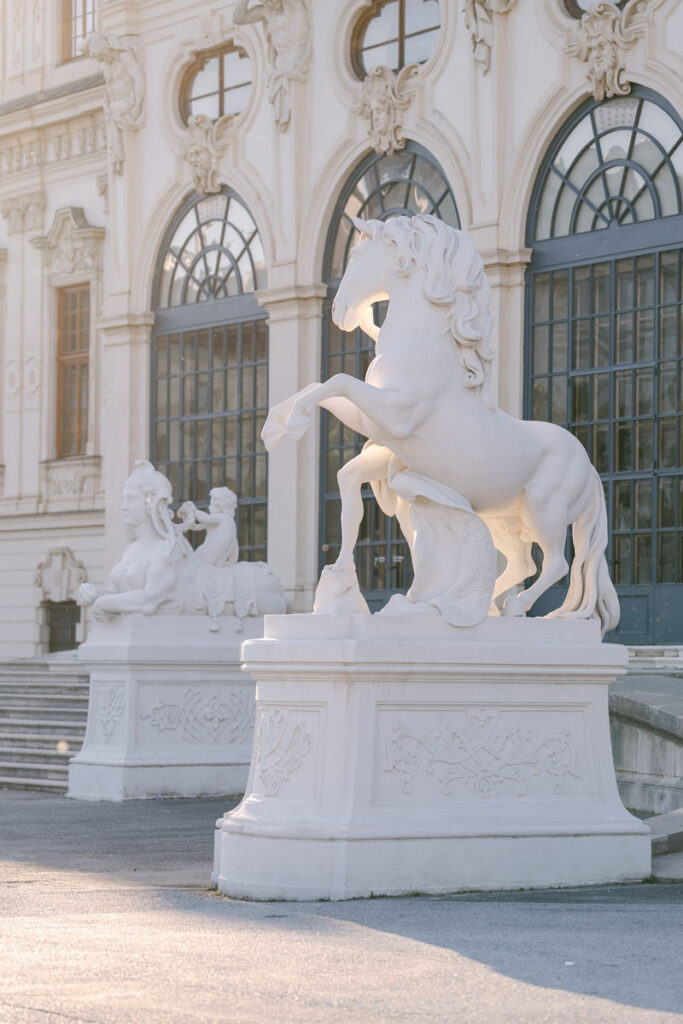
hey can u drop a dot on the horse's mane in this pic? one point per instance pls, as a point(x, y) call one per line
point(454, 277)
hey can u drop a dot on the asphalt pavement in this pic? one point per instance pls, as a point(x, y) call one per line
point(106, 918)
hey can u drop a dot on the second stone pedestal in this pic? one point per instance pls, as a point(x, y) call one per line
point(395, 755)
point(170, 711)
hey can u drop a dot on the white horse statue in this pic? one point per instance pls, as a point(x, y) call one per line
point(454, 469)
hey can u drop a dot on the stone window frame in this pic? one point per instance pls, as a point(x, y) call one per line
point(359, 28)
point(73, 254)
point(201, 59)
point(78, 358)
point(75, 15)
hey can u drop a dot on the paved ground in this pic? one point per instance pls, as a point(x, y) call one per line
point(105, 918)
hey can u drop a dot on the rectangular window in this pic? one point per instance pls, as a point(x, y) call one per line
point(73, 344)
point(78, 21)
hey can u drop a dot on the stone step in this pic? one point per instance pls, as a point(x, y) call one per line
point(41, 741)
point(32, 770)
point(71, 726)
point(35, 755)
point(32, 700)
point(43, 713)
point(54, 785)
point(667, 832)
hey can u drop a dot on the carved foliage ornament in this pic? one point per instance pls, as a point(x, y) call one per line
point(601, 41)
point(288, 28)
point(385, 95)
point(124, 92)
point(25, 212)
point(479, 24)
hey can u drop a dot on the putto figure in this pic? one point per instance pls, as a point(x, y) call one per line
point(159, 571)
point(220, 546)
point(454, 469)
point(288, 27)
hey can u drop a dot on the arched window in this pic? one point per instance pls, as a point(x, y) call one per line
point(604, 338)
point(407, 183)
point(210, 360)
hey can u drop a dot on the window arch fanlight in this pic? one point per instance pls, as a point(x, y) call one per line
point(395, 33)
point(407, 183)
point(603, 334)
point(209, 360)
point(217, 84)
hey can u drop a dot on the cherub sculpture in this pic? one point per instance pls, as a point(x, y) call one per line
point(288, 29)
point(159, 571)
point(459, 474)
point(220, 546)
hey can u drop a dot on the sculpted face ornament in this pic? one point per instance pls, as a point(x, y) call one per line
point(459, 474)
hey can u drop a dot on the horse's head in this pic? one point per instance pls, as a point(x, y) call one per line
point(446, 267)
point(364, 280)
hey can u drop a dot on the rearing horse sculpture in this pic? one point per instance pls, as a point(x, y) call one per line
point(441, 456)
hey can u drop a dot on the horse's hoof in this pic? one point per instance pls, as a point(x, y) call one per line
point(514, 608)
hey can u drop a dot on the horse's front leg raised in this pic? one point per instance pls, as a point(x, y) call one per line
point(392, 412)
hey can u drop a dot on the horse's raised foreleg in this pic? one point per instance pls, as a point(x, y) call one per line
point(392, 412)
point(371, 464)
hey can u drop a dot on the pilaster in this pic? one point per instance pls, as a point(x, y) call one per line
point(124, 424)
point(294, 317)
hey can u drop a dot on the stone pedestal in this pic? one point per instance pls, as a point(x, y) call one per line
point(396, 754)
point(170, 713)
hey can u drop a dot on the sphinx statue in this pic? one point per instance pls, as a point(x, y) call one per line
point(161, 573)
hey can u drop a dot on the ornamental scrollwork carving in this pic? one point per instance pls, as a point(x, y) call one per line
point(214, 715)
point(385, 95)
point(205, 143)
point(111, 703)
point(282, 743)
point(124, 87)
point(288, 28)
point(601, 42)
point(479, 24)
point(481, 755)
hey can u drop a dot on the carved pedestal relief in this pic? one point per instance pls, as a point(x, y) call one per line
point(601, 41)
point(283, 742)
point(482, 753)
point(124, 93)
point(479, 24)
point(205, 715)
point(385, 95)
point(110, 704)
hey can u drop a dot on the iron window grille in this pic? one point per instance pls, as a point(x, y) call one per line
point(209, 368)
point(603, 335)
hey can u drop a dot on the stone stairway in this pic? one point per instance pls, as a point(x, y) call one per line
point(43, 713)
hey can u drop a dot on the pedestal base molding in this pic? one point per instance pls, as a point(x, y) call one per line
point(396, 755)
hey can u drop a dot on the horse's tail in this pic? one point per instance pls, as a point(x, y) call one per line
point(591, 592)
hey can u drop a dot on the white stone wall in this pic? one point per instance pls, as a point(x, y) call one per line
point(489, 131)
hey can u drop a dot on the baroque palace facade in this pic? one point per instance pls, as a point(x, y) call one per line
point(177, 183)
